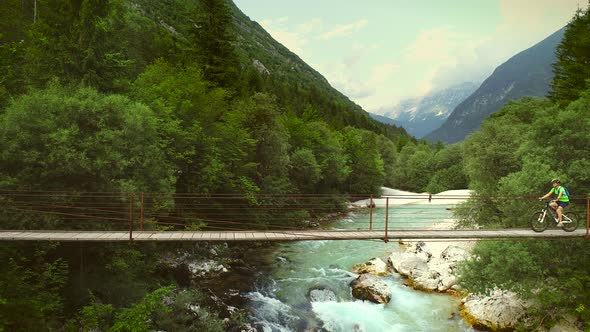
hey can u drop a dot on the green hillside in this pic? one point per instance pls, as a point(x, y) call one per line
point(280, 71)
point(205, 71)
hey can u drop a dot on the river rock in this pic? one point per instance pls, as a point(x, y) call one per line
point(246, 327)
point(447, 282)
point(205, 268)
point(454, 254)
point(426, 270)
point(374, 266)
point(408, 264)
point(421, 250)
point(371, 288)
point(499, 310)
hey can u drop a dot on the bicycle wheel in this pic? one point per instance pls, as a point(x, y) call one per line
point(571, 224)
point(538, 223)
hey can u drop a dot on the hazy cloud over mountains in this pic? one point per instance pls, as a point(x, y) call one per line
point(382, 52)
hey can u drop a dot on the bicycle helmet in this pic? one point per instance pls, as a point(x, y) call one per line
point(555, 181)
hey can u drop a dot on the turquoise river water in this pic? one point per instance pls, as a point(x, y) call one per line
point(280, 301)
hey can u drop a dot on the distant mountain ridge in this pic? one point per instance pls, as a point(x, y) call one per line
point(529, 73)
point(420, 116)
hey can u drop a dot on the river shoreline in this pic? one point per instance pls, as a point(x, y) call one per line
point(434, 253)
point(430, 266)
point(309, 286)
point(274, 282)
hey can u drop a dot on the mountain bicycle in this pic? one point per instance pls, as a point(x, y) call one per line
point(539, 222)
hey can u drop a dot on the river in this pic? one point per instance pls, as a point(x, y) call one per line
point(280, 300)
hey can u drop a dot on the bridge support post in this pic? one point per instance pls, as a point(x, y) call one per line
point(141, 214)
point(386, 219)
point(588, 219)
point(131, 217)
point(371, 213)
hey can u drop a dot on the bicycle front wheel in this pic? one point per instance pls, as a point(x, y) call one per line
point(538, 223)
point(570, 222)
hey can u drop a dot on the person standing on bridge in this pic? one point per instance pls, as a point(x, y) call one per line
point(561, 199)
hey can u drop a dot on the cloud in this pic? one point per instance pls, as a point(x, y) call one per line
point(344, 76)
point(443, 50)
point(532, 15)
point(312, 26)
point(434, 44)
point(456, 57)
point(343, 30)
point(526, 22)
point(378, 70)
point(350, 76)
point(382, 72)
point(291, 40)
point(367, 86)
point(354, 89)
point(294, 39)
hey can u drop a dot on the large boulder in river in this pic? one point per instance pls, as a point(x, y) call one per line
point(408, 264)
point(375, 266)
point(499, 310)
point(426, 269)
point(371, 288)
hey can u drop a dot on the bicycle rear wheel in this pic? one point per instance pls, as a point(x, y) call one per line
point(538, 223)
point(571, 224)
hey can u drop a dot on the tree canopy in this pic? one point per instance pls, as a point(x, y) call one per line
point(572, 69)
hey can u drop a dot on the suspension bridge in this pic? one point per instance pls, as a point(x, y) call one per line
point(226, 236)
point(113, 217)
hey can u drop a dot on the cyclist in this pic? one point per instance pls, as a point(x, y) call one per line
point(561, 199)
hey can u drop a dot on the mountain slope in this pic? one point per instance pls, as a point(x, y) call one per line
point(269, 66)
point(288, 72)
point(420, 116)
point(528, 73)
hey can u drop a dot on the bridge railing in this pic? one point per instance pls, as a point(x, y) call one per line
point(74, 211)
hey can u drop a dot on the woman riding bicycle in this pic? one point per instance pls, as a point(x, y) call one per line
point(561, 200)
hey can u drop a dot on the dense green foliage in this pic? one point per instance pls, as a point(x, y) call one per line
point(555, 284)
point(168, 96)
point(533, 141)
point(510, 161)
point(571, 70)
point(77, 139)
point(30, 288)
point(164, 97)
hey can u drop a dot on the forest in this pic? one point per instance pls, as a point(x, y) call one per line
point(105, 96)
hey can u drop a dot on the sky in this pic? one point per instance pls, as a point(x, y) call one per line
point(379, 52)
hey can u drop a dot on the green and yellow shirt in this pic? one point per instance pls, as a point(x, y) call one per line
point(564, 198)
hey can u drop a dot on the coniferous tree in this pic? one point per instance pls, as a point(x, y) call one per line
point(99, 59)
point(572, 68)
point(15, 18)
point(213, 39)
point(78, 41)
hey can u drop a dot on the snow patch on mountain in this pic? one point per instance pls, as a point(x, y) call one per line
point(419, 116)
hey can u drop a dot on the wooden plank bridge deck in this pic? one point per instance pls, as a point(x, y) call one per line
point(110, 236)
